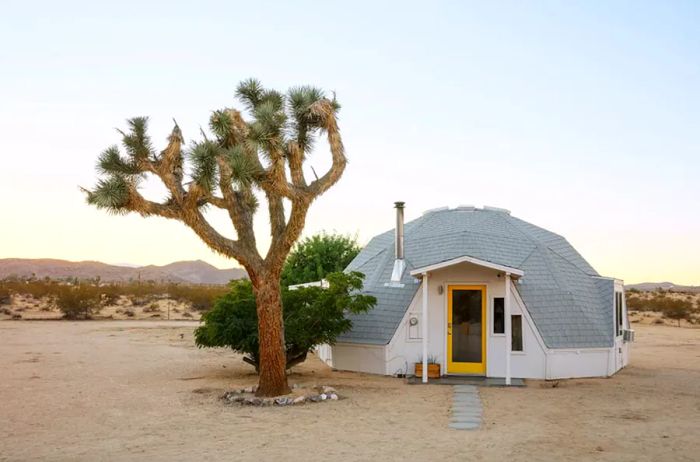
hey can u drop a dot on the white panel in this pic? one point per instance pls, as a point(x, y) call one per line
point(361, 358)
point(566, 364)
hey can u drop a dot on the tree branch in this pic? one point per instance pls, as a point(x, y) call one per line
point(325, 109)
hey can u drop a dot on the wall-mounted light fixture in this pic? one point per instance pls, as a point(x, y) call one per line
point(440, 289)
point(413, 321)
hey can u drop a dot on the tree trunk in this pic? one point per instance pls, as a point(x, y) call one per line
point(272, 355)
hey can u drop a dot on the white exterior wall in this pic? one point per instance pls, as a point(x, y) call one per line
point(536, 361)
point(531, 362)
point(571, 363)
point(361, 358)
point(404, 351)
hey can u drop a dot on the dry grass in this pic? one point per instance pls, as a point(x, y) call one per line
point(121, 308)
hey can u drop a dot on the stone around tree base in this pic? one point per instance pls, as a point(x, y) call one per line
point(245, 397)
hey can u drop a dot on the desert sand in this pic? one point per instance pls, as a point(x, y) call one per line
point(140, 390)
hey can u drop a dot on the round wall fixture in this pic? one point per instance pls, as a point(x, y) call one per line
point(413, 321)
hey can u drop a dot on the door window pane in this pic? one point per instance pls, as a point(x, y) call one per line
point(517, 332)
point(499, 316)
point(466, 326)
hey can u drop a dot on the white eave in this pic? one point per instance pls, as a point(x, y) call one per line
point(465, 259)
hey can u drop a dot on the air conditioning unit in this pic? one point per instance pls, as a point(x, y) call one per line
point(628, 335)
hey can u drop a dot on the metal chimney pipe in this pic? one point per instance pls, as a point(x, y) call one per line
point(399, 230)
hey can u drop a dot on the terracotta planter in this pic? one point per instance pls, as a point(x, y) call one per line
point(433, 370)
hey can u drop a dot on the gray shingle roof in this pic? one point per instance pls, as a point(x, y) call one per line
point(569, 302)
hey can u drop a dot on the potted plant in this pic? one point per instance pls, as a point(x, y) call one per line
point(433, 368)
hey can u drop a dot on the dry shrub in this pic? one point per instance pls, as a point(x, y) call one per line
point(129, 313)
point(152, 308)
point(137, 293)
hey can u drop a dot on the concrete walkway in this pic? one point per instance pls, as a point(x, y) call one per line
point(466, 408)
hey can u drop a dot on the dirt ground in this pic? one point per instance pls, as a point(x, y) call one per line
point(140, 390)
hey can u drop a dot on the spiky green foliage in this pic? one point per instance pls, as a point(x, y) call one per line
point(278, 121)
point(137, 142)
point(111, 194)
point(245, 171)
point(203, 159)
point(111, 162)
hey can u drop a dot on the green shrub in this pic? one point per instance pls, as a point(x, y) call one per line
point(316, 256)
point(78, 302)
point(312, 316)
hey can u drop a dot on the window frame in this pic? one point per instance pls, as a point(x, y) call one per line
point(522, 334)
point(493, 318)
point(619, 312)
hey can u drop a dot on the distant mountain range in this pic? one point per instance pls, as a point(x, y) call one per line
point(192, 272)
point(662, 285)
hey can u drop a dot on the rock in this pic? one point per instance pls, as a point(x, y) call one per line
point(315, 398)
point(333, 396)
point(282, 401)
point(323, 396)
point(328, 390)
point(299, 400)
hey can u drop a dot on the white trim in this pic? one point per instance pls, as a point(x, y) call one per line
point(322, 284)
point(508, 327)
point(425, 327)
point(467, 259)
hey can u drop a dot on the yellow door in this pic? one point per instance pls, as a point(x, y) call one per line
point(466, 330)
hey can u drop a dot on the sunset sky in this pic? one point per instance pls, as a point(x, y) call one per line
point(580, 117)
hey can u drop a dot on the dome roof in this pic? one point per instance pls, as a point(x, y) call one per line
point(569, 302)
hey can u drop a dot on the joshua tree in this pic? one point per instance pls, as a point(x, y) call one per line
point(240, 162)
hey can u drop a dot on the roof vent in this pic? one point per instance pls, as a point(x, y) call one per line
point(496, 209)
point(465, 208)
point(437, 209)
point(399, 262)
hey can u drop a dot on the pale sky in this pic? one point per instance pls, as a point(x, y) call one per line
point(580, 117)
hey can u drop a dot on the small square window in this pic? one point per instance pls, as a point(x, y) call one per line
point(499, 316)
point(516, 332)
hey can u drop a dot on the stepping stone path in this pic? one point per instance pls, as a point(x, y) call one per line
point(466, 408)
